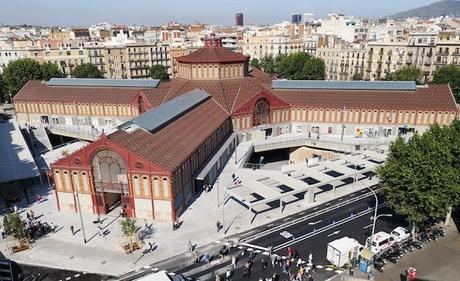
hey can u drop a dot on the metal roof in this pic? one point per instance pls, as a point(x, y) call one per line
point(79, 82)
point(345, 85)
point(167, 112)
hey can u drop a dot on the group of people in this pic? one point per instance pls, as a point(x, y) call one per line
point(236, 180)
point(35, 228)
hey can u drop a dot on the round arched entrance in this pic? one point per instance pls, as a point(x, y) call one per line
point(110, 181)
point(261, 114)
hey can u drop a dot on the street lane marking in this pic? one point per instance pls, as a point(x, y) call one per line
point(353, 194)
point(328, 227)
point(340, 199)
point(338, 271)
point(309, 216)
point(319, 266)
point(313, 223)
point(68, 278)
point(333, 233)
point(329, 269)
point(327, 204)
point(286, 234)
point(367, 226)
point(77, 275)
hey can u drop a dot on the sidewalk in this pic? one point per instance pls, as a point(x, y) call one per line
point(104, 255)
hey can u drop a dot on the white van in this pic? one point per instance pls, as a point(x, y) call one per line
point(400, 234)
point(382, 241)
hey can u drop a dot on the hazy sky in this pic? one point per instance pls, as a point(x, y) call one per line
point(155, 12)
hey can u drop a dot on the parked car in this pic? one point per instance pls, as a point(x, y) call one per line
point(400, 234)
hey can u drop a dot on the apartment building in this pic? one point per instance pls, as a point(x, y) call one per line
point(66, 55)
point(141, 57)
point(130, 61)
point(262, 44)
point(387, 57)
point(343, 60)
point(447, 50)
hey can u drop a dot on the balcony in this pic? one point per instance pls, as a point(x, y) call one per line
point(388, 62)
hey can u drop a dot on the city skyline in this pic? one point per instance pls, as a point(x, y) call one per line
point(159, 12)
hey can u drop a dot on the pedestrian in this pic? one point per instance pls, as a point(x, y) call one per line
point(299, 262)
point(15, 208)
point(263, 262)
point(217, 277)
point(275, 277)
point(145, 224)
point(2, 231)
point(190, 247)
point(151, 246)
point(218, 225)
point(101, 233)
point(72, 230)
point(233, 261)
point(273, 259)
point(52, 227)
point(228, 274)
point(38, 198)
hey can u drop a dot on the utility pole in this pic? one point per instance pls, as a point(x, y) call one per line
point(343, 125)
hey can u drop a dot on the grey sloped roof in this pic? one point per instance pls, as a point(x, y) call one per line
point(345, 85)
point(167, 112)
point(79, 82)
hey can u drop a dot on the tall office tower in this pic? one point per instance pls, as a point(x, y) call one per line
point(239, 19)
point(296, 18)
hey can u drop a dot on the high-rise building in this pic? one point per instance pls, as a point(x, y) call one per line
point(296, 18)
point(239, 19)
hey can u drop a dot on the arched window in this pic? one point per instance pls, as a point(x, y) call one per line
point(109, 167)
point(261, 115)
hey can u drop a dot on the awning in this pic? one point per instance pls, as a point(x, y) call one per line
point(205, 171)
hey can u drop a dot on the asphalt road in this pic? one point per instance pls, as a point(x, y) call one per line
point(34, 273)
point(309, 232)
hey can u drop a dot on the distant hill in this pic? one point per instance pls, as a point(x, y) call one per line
point(437, 9)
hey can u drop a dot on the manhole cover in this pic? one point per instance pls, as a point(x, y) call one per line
point(268, 217)
point(103, 262)
point(71, 257)
point(237, 227)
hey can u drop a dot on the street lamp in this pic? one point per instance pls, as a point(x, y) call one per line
point(343, 125)
point(79, 212)
point(375, 214)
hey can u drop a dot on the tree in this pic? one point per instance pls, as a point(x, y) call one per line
point(407, 73)
point(420, 178)
point(255, 63)
point(357, 77)
point(18, 73)
point(3, 95)
point(50, 70)
point(314, 69)
point(300, 66)
point(129, 228)
point(87, 70)
point(159, 71)
point(449, 74)
point(267, 64)
point(15, 225)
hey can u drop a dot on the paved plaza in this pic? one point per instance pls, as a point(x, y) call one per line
point(104, 255)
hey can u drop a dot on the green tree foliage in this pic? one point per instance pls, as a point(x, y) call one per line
point(18, 73)
point(159, 71)
point(87, 70)
point(301, 66)
point(51, 70)
point(407, 73)
point(255, 63)
point(421, 178)
point(268, 64)
point(449, 74)
point(3, 95)
point(15, 225)
point(357, 77)
point(129, 228)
